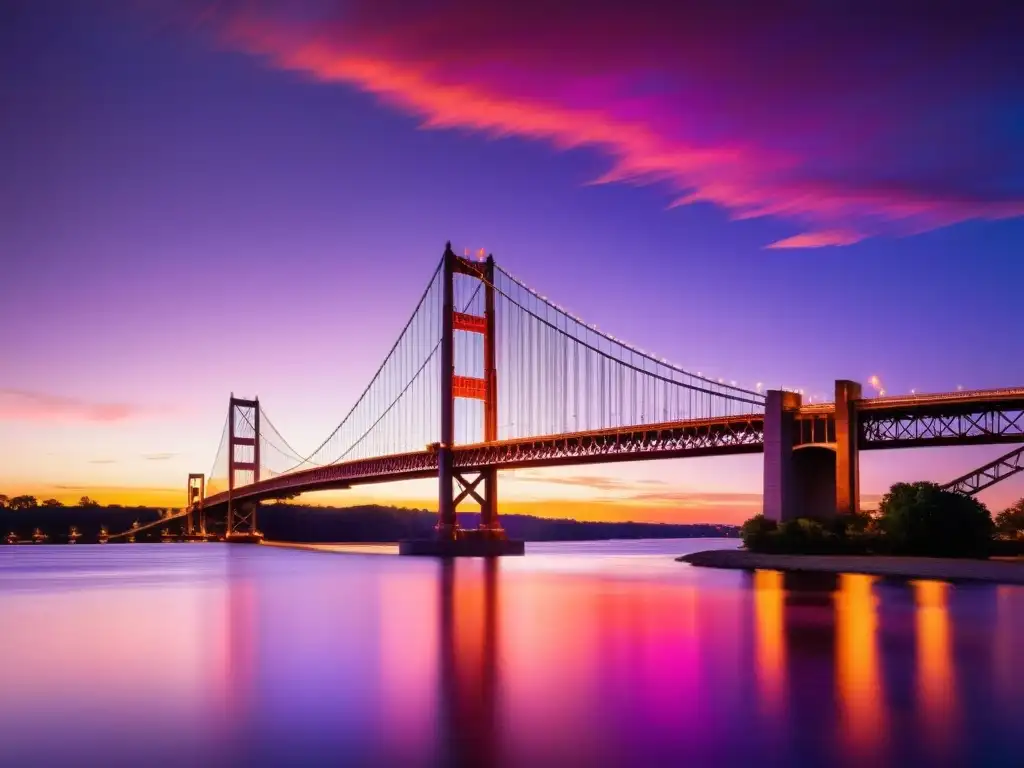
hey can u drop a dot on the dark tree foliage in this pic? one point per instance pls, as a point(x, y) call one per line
point(1010, 522)
point(843, 534)
point(293, 522)
point(757, 532)
point(923, 519)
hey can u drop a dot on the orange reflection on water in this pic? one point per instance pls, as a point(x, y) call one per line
point(935, 660)
point(861, 699)
point(769, 608)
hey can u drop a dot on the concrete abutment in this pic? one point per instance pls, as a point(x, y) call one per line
point(816, 480)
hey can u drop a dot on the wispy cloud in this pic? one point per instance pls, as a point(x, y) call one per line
point(590, 481)
point(23, 405)
point(158, 456)
point(844, 122)
point(102, 461)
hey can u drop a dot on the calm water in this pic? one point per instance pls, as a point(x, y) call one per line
point(578, 654)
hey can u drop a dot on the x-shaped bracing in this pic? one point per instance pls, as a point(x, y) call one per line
point(468, 488)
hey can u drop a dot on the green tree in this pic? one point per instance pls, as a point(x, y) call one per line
point(85, 501)
point(23, 502)
point(757, 533)
point(4, 501)
point(1010, 522)
point(51, 503)
point(922, 519)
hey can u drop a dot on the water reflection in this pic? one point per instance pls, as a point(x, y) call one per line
point(863, 719)
point(468, 639)
point(769, 610)
point(935, 664)
point(277, 657)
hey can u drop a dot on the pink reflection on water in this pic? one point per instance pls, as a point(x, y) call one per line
point(409, 646)
point(286, 657)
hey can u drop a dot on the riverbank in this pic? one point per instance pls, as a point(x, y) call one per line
point(947, 569)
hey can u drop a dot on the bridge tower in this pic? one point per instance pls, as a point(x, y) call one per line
point(243, 456)
point(196, 492)
point(483, 488)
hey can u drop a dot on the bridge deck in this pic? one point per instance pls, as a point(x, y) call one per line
point(986, 416)
point(703, 437)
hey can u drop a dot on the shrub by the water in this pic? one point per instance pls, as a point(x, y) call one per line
point(923, 519)
point(844, 534)
point(757, 533)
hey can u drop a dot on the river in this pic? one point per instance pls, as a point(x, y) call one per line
point(604, 653)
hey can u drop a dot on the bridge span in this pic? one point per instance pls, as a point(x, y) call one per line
point(570, 394)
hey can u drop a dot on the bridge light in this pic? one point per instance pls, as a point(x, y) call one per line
point(758, 386)
point(913, 391)
point(732, 383)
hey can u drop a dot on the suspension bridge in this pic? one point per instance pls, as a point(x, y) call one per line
point(487, 374)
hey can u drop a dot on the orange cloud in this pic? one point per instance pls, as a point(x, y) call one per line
point(21, 405)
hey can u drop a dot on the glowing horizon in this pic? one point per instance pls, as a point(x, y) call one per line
point(241, 197)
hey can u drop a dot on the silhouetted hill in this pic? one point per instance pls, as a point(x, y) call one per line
point(288, 522)
point(300, 523)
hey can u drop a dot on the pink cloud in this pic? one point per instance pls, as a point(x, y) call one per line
point(818, 239)
point(846, 124)
point(20, 405)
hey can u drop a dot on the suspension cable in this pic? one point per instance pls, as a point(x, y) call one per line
point(618, 343)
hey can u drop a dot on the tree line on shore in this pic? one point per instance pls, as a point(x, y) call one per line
point(23, 516)
point(918, 519)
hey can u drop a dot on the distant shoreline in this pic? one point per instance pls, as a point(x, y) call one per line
point(946, 569)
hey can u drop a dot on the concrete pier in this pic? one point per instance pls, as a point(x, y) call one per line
point(847, 455)
point(816, 480)
point(780, 502)
point(475, 546)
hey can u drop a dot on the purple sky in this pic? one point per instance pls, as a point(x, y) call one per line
point(195, 202)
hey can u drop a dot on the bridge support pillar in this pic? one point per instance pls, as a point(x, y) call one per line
point(847, 448)
point(194, 504)
point(243, 457)
point(780, 492)
point(479, 484)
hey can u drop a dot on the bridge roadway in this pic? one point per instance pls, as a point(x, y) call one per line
point(954, 418)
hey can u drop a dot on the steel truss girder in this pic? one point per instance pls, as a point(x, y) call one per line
point(983, 425)
point(707, 437)
point(724, 436)
point(988, 475)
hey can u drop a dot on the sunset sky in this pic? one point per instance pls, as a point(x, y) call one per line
point(205, 197)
